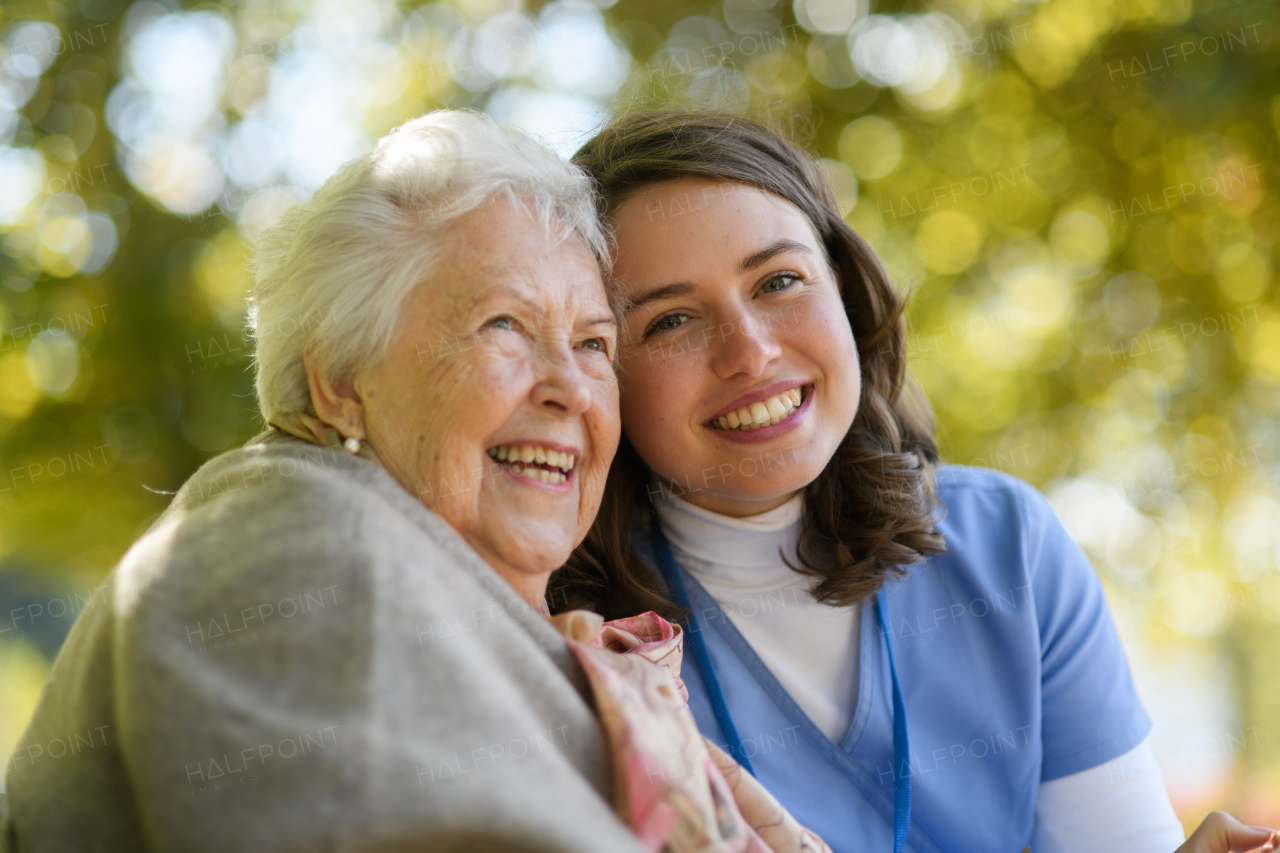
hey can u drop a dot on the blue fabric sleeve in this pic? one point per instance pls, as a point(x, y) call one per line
point(1091, 710)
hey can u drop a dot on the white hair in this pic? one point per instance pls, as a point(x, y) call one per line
point(333, 273)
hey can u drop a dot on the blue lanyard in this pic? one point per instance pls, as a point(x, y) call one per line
point(672, 574)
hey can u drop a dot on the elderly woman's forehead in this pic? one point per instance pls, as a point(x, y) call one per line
point(541, 295)
point(501, 251)
point(558, 284)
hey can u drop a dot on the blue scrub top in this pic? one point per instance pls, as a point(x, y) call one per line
point(1010, 668)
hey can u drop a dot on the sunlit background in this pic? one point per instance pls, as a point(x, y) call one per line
point(1078, 192)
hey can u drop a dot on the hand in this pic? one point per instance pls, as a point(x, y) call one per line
point(1220, 833)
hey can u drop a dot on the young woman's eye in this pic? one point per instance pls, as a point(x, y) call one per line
point(779, 282)
point(669, 322)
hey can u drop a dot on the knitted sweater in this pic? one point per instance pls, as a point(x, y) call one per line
point(298, 656)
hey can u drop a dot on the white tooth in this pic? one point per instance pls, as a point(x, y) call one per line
point(544, 475)
point(775, 407)
point(502, 453)
point(517, 467)
point(759, 413)
point(553, 458)
point(796, 398)
point(558, 478)
point(526, 455)
point(569, 461)
point(540, 455)
point(722, 422)
point(732, 420)
point(744, 416)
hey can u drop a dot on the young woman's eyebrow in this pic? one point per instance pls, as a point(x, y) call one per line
point(666, 291)
point(784, 245)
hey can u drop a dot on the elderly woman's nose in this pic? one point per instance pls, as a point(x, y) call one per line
point(562, 384)
point(743, 344)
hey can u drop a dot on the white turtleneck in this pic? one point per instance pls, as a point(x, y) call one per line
point(739, 561)
point(812, 649)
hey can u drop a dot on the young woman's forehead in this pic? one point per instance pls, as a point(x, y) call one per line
point(671, 203)
point(661, 234)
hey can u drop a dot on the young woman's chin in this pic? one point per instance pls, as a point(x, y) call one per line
point(748, 478)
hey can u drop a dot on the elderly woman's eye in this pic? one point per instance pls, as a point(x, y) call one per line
point(501, 323)
point(595, 345)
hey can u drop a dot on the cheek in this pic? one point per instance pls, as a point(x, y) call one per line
point(604, 427)
point(659, 386)
point(824, 335)
point(835, 352)
point(452, 420)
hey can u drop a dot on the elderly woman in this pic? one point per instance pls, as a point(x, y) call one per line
point(332, 639)
point(336, 637)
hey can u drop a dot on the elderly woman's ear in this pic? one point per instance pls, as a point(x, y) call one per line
point(338, 404)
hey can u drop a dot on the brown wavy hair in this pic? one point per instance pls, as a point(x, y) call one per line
point(872, 510)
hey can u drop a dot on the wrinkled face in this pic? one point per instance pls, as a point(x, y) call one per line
point(497, 404)
point(739, 370)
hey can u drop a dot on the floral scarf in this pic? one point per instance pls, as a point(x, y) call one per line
point(312, 429)
point(678, 791)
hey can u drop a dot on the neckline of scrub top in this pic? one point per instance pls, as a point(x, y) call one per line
point(673, 573)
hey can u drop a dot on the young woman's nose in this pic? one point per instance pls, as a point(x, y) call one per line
point(744, 345)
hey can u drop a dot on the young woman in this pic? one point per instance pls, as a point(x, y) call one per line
point(777, 470)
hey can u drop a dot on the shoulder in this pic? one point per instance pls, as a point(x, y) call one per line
point(275, 466)
point(282, 521)
point(974, 499)
point(279, 493)
point(1001, 530)
point(965, 481)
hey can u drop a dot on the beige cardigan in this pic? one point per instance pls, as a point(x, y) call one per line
point(298, 656)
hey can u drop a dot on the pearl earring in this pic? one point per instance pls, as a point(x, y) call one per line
point(352, 445)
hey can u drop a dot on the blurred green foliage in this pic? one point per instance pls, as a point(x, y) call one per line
point(1077, 192)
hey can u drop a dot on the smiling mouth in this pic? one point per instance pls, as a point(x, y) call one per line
point(765, 413)
point(530, 460)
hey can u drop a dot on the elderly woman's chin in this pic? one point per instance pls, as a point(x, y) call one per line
point(497, 402)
